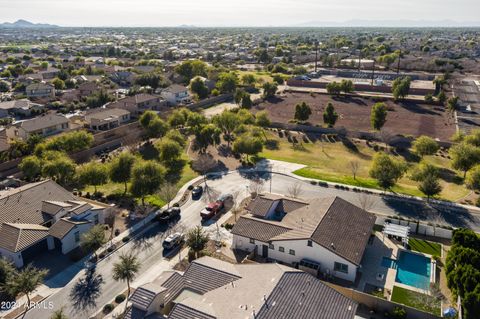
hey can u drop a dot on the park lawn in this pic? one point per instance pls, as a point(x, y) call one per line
point(426, 247)
point(414, 299)
point(331, 162)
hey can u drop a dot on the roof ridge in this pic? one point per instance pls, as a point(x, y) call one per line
point(215, 269)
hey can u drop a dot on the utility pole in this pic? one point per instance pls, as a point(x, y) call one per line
point(399, 57)
point(373, 70)
point(316, 55)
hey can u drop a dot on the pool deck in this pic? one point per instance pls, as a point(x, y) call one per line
point(373, 273)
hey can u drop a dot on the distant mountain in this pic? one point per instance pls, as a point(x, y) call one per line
point(391, 23)
point(23, 24)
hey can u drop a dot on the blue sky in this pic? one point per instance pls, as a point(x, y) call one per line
point(231, 13)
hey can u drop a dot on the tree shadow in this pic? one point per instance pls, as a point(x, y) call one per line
point(174, 172)
point(86, 290)
point(450, 176)
point(148, 151)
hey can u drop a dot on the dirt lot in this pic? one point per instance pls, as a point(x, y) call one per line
point(407, 118)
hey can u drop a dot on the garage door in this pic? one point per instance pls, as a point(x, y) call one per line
point(31, 252)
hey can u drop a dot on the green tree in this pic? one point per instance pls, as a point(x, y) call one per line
point(169, 151)
point(147, 176)
point(302, 112)
point(4, 86)
point(473, 138)
point(146, 118)
point(347, 86)
point(176, 136)
point(126, 269)
point(334, 88)
point(378, 117)
point(25, 282)
point(330, 116)
point(425, 145)
point(191, 68)
point(208, 134)
point(120, 169)
point(261, 119)
point(178, 117)
point(93, 239)
point(423, 170)
point(464, 156)
point(429, 98)
point(198, 87)
point(269, 90)
point(386, 170)
point(248, 145)
point(58, 83)
point(92, 173)
point(441, 97)
point(246, 102)
point(31, 167)
point(197, 239)
point(401, 87)
point(452, 103)
point(157, 128)
point(227, 82)
point(58, 167)
point(472, 179)
point(227, 121)
point(249, 79)
point(430, 186)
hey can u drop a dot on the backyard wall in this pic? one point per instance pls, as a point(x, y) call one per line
point(210, 101)
point(380, 305)
point(422, 229)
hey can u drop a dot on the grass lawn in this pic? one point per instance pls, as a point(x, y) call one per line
point(416, 300)
point(332, 162)
point(426, 247)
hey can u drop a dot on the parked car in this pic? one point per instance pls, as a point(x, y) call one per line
point(169, 214)
point(302, 78)
point(211, 210)
point(197, 192)
point(173, 241)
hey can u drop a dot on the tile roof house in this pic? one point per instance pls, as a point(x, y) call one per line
point(43, 215)
point(329, 234)
point(177, 94)
point(106, 119)
point(214, 289)
point(44, 125)
point(40, 90)
point(138, 104)
point(22, 107)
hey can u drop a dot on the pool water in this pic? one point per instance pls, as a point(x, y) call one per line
point(412, 269)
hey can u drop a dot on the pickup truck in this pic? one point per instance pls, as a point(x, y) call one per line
point(211, 210)
point(215, 207)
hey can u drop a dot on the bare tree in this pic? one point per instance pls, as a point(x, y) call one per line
point(366, 201)
point(203, 164)
point(256, 187)
point(295, 190)
point(167, 192)
point(235, 208)
point(386, 137)
point(354, 166)
point(430, 300)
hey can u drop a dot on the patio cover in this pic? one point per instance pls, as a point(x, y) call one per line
point(397, 230)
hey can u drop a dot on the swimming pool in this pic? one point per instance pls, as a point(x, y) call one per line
point(412, 269)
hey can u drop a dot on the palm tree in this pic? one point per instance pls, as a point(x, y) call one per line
point(25, 282)
point(197, 238)
point(126, 270)
point(59, 314)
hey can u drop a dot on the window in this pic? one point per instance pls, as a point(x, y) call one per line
point(270, 246)
point(252, 241)
point(77, 236)
point(292, 252)
point(281, 249)
point(309, 243)
point(340, 267)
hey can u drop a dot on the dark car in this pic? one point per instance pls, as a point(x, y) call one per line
point(197, 192)
point(169, 214)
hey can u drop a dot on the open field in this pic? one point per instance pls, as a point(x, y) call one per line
point(406, 118)
point(332, 162)
point(414, 299)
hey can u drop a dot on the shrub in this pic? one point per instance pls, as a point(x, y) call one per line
point(399, 313)
point(313, 182)
point(126, 239)
point(108, 308)
point(120, 298)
